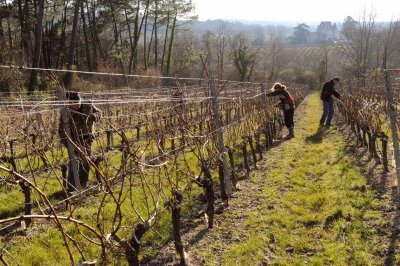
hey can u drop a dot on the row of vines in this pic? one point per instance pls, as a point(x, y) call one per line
point(367, 108)
point(156, 164)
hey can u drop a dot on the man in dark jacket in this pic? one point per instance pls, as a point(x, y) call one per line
point(81, 120)
point(326, 96)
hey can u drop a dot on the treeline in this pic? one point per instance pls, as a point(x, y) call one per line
point(162, 37)
point(94, 35)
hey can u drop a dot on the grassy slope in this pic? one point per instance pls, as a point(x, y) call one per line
point(309, 179)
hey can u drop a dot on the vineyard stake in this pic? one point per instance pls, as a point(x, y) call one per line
point(393, 125)
point(221, 146)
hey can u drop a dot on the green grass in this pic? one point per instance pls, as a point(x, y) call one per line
point(310, 179)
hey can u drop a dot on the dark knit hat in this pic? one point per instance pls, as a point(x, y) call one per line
point(278, 86)
point(73, 96)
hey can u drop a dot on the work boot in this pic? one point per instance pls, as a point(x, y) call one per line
point(291, 133)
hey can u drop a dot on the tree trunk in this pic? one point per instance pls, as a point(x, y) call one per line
point(10, 38)
point(138, 29)
point(2, 31)
point(222, 58)
point(80, 43)
point(74, 35)
point(22, 11)
point(146, 15)
point(121, 60)
point(171, 43)
point(38, 46)
point(52, 43)
point(62, 57)
point(165, 41)
point(85, 33)
point(45, 46)
point(93, 32)
point(114, 22)
point(136, 38)
point(27, 30)
point(150, 43)
point(129, 29)
point(156, 36)
point(221, 52)
point(133, 48)
point(2, 39)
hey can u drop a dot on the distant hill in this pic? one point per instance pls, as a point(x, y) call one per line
point(236, 26)
point(277, 23)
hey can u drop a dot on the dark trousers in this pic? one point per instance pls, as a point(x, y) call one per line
point(83, 167)
point(288, 116)
point(327, 113)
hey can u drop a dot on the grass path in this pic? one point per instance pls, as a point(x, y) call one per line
point(309, 205)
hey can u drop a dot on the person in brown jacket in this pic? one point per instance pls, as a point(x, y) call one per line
point(81, 120)
point(287, 104)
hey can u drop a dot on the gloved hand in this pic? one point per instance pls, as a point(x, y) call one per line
point(94, 117)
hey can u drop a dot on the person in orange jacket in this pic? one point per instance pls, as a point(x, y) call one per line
point(287, 105)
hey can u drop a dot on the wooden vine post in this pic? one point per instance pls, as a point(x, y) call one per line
point(393, 124)
point(268, 137)
point(220, 137)
point(264, 104)
point(71, 153)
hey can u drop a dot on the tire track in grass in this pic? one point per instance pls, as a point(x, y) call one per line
point(309, 206)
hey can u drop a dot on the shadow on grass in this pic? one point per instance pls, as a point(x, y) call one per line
point(11, 213)
point(55, 196)
point(395, 232)
point(199, 236)
point(316, 137)
point(378, 180)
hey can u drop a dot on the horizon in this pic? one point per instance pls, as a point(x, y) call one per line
point(277, 23)
point(312, 11)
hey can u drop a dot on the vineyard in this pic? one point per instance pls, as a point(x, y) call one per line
point(162, 156)
point(187, 132)
point(157, 154)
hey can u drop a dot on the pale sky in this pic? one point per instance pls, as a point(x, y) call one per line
point(295, 10)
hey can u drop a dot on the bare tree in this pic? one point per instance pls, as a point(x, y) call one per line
point(357, 43)
point(221, 44)
point(275, 57)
